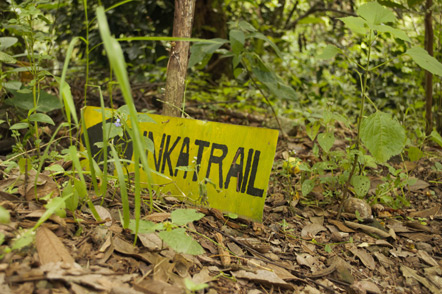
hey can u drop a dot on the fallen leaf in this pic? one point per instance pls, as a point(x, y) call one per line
point(310, 231)
point(157, 217)
point(368, 229)
point(411, 273)
point(50, 248)
point(223, 253)
point(151, 241)
point(341, 226)
point(430, 212)
point(263, 277)
point(427, 258)
point(151, 286)
point(418, 185)
point(365, 257)
point(308, 260)
point(366, 286)
point(104, 214)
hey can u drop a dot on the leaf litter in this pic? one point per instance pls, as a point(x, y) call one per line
point(299, 248)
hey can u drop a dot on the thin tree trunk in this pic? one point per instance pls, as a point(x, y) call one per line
point(429, 40)
point(179, 57)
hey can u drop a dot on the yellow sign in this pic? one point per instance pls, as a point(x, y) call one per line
point(218, 165)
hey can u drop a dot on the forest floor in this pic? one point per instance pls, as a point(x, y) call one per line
point(300, 247)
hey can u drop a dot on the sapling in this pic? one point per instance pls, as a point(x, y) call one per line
point(381, 134)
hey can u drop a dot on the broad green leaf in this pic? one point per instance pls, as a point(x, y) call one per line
point(237, 39)
point(113, 131)
point(145, 226)
point(12, 85)
point(56, 206)
point(71, 195)
point(361, 185)
point(383, 136)
point(414, 153)
point(396, 33)
point(4, 215)
point(148, 144)
point(23, 240)
point(312, 130)
point(266, 39)
point(436, 137)
point(375, 14)
point(326, 141)
point(425, 60)
point(42, 118)
point(25, 100)
point(307, 187)
point(19, 126)
point(202, 51)
point(4, 57)
point(193, 287)
point(143, 117)
point(6, 42)
point(329, 52)
point(179, 241)
point(180, 217)
point(246, 26)
point(356, 24)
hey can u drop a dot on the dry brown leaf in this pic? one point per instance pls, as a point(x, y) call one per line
point(104, 214)
point(97, 280)
point(151, 286)
point(341, 226)
point(411, 273)
point(151, 241)
point(365, 286)
point(367, 229)
point(310, 231)
point(182, 265)
point(264, 277)
point(50, 248)
point(418, 185)
point(430, 212)
point(282, 272)
point(157, 217)
point(223, 253)
point(365, 257)
point(310, 261)
point(427, 258)
point(45, 186)
point(256, 244)
point(4, 288)
point(434, 274)
point(202, 277)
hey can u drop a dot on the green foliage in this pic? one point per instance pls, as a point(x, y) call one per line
point(425, 60)
point(179, 241)
point(174, 234)
point(192, 286)
point(4, 215)
point(181, 217)
point(383, 136)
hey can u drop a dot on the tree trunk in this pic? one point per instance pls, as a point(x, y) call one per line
point(179, 57)
point(429, 40)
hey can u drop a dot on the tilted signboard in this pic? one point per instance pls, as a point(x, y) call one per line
point(215, 164)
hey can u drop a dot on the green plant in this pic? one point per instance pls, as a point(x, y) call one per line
point(173, 233)
point(382, 135)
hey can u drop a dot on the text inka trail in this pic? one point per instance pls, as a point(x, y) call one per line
point(233, 162)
